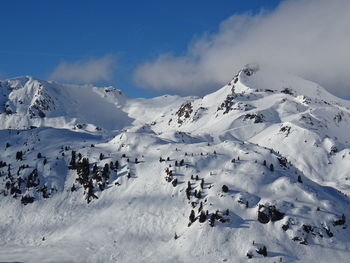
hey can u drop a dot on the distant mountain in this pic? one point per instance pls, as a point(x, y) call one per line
point(27, 102)
point(256, 171)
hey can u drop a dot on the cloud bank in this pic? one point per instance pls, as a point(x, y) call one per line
point(85, 71)
point(310, 38)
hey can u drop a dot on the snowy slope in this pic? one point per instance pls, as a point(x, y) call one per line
point(30, 102)
point(262, 162)
point(272, 110)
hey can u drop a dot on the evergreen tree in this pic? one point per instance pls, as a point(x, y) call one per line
point(105, 173)
point(174, 182)
point(94, 169)
point(271, 168)
point(200, 207)
point(83, 172)
point(212, 220)
point(90, 191)
point(188, 193)
point(299, 179)
point(202, 217)
point(19, 156)
point(188, 190)
point(72, 164)
point(192, 216)
point(27, 199)
point(189, 185)
point(202, 183)
point(73, 188)
point(32, 179)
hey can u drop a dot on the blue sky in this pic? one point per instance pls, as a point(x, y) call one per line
point(38, 35)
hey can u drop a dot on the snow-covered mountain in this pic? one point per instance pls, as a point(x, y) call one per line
point(27, 102)
point(257, 171)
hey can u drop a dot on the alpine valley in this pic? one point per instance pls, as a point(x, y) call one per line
point(258, 171)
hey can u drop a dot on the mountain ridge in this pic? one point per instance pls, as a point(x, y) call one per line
point(255, 171)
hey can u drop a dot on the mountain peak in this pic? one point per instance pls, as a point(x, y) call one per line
point(27, 102)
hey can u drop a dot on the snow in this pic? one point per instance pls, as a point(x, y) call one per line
point(302, 132)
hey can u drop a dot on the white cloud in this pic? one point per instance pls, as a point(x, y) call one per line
point(85, 71)
point(310, 38)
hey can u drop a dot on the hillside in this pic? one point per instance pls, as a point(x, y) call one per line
point(257, 171)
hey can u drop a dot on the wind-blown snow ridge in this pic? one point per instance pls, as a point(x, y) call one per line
point(256, 171)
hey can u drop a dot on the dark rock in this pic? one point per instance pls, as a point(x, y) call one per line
point(340, 221)
point(262, 251)
point(275, 215)
point(263, 218)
